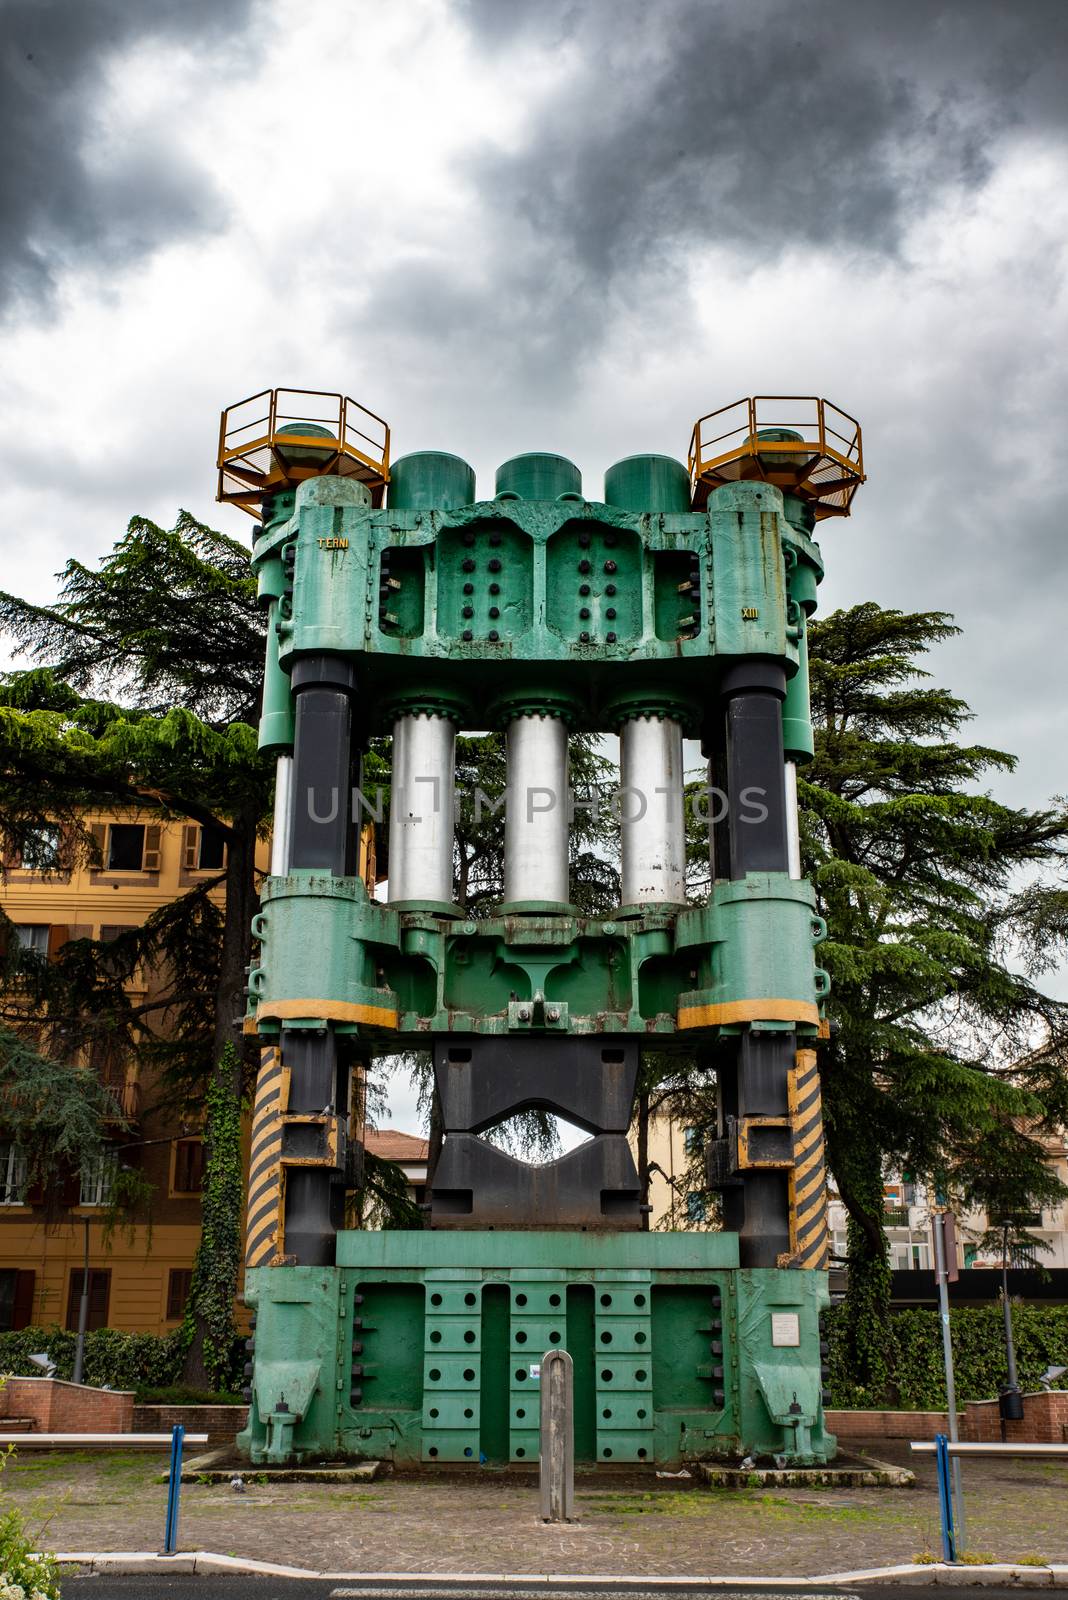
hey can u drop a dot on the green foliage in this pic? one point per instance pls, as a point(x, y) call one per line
point(120, 1360)
point(55, 1113)
point(182, 1394)
point(207, 1332)
point(933, 1063)
point(912, 1354)
point(170, 617)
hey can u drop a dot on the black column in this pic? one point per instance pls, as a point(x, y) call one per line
point(764, 1062)
point(321, 832)
point(322, 838)
point(747, 744)
point(753, 692)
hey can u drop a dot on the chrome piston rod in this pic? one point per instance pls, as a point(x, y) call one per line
point(653, 833)
point(422, 812)
point(536, 820)
point(793, 826)
point(283, 788)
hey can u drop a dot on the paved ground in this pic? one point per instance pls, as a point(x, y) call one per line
point(489, 1523)
point(193, 1588)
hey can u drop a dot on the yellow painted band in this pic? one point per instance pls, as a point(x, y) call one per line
point(329, 1010)
point(748, 1011)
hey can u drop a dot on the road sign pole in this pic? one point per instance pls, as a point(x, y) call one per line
point(938, 1229)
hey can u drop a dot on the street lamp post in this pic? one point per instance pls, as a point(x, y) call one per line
point(83, 1311)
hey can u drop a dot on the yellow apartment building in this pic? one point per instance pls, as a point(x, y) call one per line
point(136, 1282)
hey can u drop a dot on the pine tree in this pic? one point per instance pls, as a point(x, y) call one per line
point(944, 1058)
point(145, 682)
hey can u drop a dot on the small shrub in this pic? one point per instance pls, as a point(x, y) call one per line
point(179, 1394)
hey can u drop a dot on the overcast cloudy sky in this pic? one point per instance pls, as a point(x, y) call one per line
point(571, 225)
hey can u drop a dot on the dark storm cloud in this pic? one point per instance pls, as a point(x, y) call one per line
point(762, 126)
point(57, 206)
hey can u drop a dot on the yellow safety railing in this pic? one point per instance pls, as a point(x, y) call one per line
point(279, 437)
point(817, 454)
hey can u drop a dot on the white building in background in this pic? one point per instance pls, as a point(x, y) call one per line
point(907, 1210)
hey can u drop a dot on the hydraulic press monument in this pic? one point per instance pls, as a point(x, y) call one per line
point(673, 607)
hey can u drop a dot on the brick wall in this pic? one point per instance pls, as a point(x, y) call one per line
point(58, 1407)
point(220, 1423)
point(1045, 1420)
point(888, 1424)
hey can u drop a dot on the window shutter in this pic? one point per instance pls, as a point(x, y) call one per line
point(72, 1190)
point(179, 1284)
point(153, 851)
point(22, 1311)
point(11, 858)
point(99, 831)
point(58, 934)
point(190, 846)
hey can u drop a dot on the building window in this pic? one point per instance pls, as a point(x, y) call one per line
point(40, 849)
point(99, 1294)
point(692, 1141)
point(179, 1283)
point(188, 1166)
point(696, 1207)
point(211, 854)
point(98, 1178)
point(33, 937)
point(12, 1175)
point(16, 1299)
point(126, 847)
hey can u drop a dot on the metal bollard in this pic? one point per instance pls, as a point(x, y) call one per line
point(174, 1490)
point(945, 1498)
point(556, 1459)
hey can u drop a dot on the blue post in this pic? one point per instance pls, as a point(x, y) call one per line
point(174, 1490)
point(945, 1498)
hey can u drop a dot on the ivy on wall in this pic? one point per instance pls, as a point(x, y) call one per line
point(207, 1332)
point(912, 1359)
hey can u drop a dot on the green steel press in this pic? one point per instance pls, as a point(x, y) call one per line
point(673, 608)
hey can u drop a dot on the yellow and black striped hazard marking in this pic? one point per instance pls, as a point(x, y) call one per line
point(266, 1185)
point(808, 1176)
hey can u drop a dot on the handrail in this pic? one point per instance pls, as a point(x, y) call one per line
point(823, 463)
point(929, 1447)
point(258, 437)
point(74, 1441)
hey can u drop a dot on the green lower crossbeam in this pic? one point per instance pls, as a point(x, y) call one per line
point(425, 1348)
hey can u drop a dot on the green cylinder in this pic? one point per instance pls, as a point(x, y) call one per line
point(797, 707)
point(539, 477)
point(298, 457)
point(430, 480)
point(799, 513)
point(647, 483)
point(270, 579)
point(276, 714)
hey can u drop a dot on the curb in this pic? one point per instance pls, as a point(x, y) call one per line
point(934, 1574)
